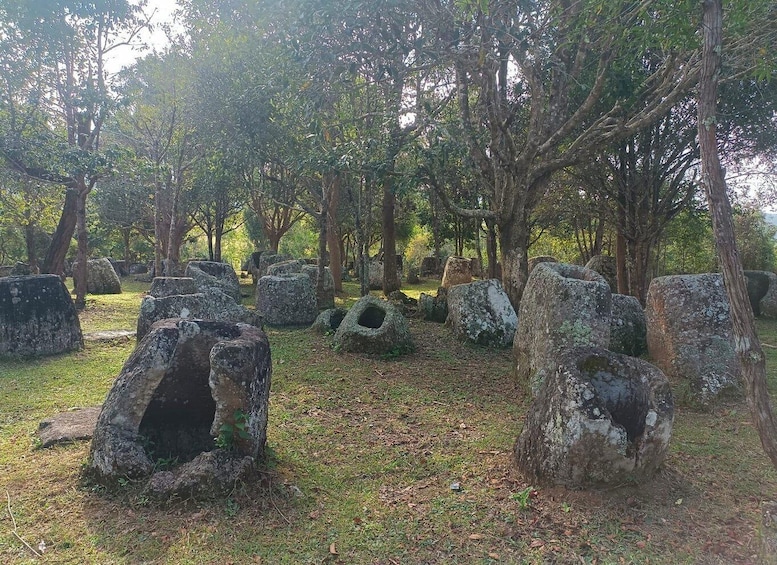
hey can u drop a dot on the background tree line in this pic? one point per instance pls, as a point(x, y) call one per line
point(498, 128)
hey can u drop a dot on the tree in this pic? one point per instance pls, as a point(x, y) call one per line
point(748, 348)
point(59, 101)
point(530, 83)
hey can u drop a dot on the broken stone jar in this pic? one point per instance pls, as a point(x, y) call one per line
point(600, 418)
point(189, 408)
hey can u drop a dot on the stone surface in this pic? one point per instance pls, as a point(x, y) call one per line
point(689, 334)
point(599, 418)
point(606, 266)
point(37, 317)
point(68, 427)
point(210, 472)
point(268, 258)
point(210, 274)
point(326, 298)
point(138, 269)
point(534, 261)
point(434, 308)
point(373, 326)
point(762, 291)
point(767, 534)
point(211, 305)
point(458, 270)
point(376, 275)
point(481, 312)
point(187, 383)
point(628, 326)
point(329, 320)
point(286, 301)
point(563, 306)
point(431, 266)
point(100, 277)
point(285, 267)
point(170, 286)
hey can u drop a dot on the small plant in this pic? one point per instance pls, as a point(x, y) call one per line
point(523, 497)
point(230, 432)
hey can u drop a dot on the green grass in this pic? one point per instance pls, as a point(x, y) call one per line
point(363, 455)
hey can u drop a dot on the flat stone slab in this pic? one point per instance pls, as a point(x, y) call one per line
point(67, 427)
point(110, 335)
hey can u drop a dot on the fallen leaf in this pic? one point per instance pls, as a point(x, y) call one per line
point(493, 555)
point(536, 543)
point(641, 544)
point(332, 549)
point(476, 536)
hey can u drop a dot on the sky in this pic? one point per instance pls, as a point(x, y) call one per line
point(156, 39)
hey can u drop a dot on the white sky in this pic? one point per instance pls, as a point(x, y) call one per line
point(163, 14)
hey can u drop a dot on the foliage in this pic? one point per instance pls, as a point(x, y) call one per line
point(231, 432)
point(755, 240)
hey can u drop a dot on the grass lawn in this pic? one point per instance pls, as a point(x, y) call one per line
point(364, 452)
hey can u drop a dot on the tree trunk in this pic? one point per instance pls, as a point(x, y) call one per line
point(29, 241)
point(160, 229)
point(60, 242)
point(80, 278)
point(514, 242)
point(491, 251)
point(621, 262)
point(748, 348)
point(390, 271)
point(333, 237)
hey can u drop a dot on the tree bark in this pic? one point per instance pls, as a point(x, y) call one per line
point(60, 242)
point(80, 278)
point(333, 236)
point(748, 348)
point(514, 241)
point(390, 272)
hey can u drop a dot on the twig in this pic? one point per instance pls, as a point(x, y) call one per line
point(272, 499)
point(14, 531)
point(769, 346)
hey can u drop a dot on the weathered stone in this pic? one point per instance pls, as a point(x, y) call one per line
point(434, 308)
point(481, 312)
point(476, 267)
point(762, 291)
point(689, 334)
point(286, 301)
point(268, 259)
point(211, 305)
point(68, 427)
point(767, 534)
point(170, 286)
point(326, 298)
point(402, 302)
point(6, 270)
point(100, 277)
point(119, 266)
point(110, 335)
point(563, 306)
point(37, 317)
point(210, 472)
point(285, 267)
point(376, 275)
point(534, 261)
point(373, 326)
point(211, 274)
point(22, 269)
point(607, 267)
point(329, 320)
point(458, 270)
point(138, 269)
point(599, 418)
point(186, 384)
point(431, 266)
point(628, 327)
point(413, 276)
